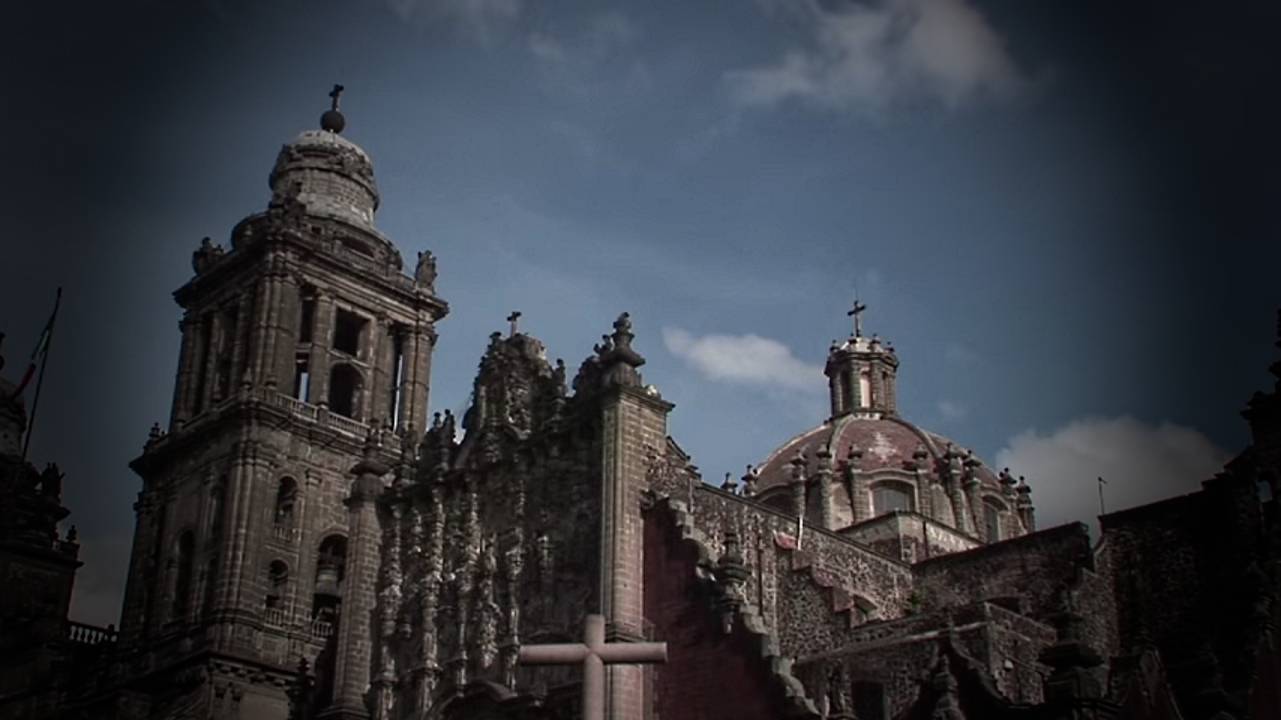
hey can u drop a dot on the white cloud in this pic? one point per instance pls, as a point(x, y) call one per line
point(951, 411)
point(483, 18)
point(748, 359)
point(1140, 462)
point(871, 56)
point(604, 36)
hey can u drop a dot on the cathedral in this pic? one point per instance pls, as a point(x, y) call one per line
point(312, 543)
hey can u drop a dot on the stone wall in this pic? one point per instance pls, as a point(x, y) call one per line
point(708, 671)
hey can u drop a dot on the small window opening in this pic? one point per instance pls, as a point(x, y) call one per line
point(887, 498)
point(397, 374)
point(992, 521)
point(307, 317)
point(302, 378)
point(330, 567)
point(348, 327)
point(344, 388)
point(286, 499)
point(277, 579)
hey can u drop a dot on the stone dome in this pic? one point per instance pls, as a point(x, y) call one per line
point(865, 461)
point(329, 174)
point(887, 444)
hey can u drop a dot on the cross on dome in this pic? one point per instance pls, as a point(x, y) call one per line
point(333, 120)
point(856, 312)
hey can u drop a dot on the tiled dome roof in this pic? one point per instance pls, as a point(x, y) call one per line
point(887, 443)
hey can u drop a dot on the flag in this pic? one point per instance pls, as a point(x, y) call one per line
point(42, 346)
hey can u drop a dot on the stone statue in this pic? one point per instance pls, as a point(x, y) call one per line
point(425, 271)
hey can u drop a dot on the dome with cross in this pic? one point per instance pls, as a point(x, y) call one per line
point(326, 172)
point(875, 462)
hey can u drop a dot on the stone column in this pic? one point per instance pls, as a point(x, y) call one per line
point(285, 329)
point(952, 481)
point(856, 482)
point(318, 358)
point(1024, 505)
point(240, 343)
point(265, 299)
point(823, 485)
point(134, 614)
point(632, 419)
point(974, 496)
point(239, 513)
point(181, 411)
point(381, 372)
point(271, 321)
point(417, 382)
point(210, 361)
point(836, 394)
point(352, 667)
point(797, 483)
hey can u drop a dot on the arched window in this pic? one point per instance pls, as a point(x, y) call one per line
point(277, 580)
point(992, 510)
point(326, 603)
point(217, 498)
point(846, 390)
point(182, 583)
point(890, 496)
point(865, 389)
point(344, 390)
point(286, 497)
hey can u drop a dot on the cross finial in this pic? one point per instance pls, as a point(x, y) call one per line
point(335, 94)
point(513, 318)
point(856, 312)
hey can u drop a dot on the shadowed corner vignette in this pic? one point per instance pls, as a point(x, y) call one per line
point(310, 544)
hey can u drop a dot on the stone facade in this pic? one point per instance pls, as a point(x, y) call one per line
point(310, 545)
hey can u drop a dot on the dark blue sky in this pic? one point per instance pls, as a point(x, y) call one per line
point(1064, 219)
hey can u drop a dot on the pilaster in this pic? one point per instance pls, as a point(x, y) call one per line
point(318, 359)
point(352, 668)
point(181, 408)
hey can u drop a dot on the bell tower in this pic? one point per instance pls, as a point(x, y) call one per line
point(298, 342)
point(861, 373)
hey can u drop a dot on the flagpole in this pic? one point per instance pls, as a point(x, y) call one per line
point(1102, 510)
point(44, 360)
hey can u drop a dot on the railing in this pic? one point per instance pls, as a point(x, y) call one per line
point(293, 405)
point(274, 398)
point(321, 628)
point(284, 532)
point(83, 634)
point(347, 425)
point(275, 616)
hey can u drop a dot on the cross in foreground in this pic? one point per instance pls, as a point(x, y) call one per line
point(594, 654)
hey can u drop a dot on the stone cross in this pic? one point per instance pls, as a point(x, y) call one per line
point(515, 316)
point(594, 654)
point(856, 312)
point(335, 93)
